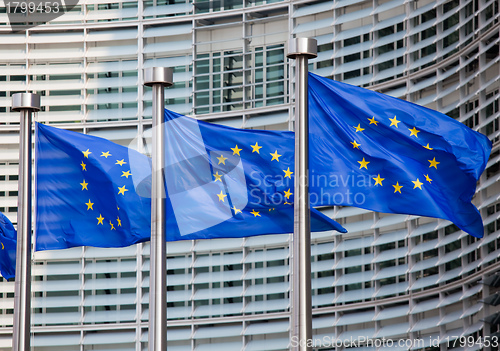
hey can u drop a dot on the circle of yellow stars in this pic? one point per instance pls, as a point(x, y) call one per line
point(255, 148)
point(121, 190)
point(413, 132)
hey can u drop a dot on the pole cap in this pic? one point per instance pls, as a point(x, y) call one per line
point(26, 101)
point(302, 47)
point(158, 75)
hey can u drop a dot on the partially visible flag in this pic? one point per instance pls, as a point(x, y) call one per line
point(8, 240)
point(227, 182)
point(85, 193)
point(384, 154)
point(92, 192)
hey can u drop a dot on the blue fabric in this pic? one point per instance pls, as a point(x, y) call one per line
point(8, 240)
point(220, 186)
point(92, 192)
point(85, 195)
point(384, 154)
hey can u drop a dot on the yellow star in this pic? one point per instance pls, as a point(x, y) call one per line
point(126, 174)
point(122, 190)
point(83, 166)
point(120, 162)
point(86, 153)
point(275, 156)
point(434, 163)
point(3, 247)
point(89, 205)
point(394, 122)
point(373, 121)
point(378, 180)
point(427, 178)
point(236, 151)
point(222, 159)
point(288, 173)
point(358, 128)
point(288, 203)
point(288, 193)
point(119, 221)
point(256, 148)
point(355, 145)
point(414, 131)
point(221, 196)
point(255, 213)
point(236, 211)
point(363, 163)
point(218, 176)
point(417, 183)
point(397, 188)
point(428, 147)
point(106, 154)
point(112, 225)
point(84, 185)
point(100, 219)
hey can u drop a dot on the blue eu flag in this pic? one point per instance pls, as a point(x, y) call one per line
point(8, 240)
point(92, 192)
point(384, 154)
point(227, 182)
point(85, 193)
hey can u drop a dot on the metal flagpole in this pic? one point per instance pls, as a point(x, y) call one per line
point(301, 49)
point(26, 104)
point(158, 78)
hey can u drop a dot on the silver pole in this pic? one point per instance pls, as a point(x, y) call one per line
point(158, 78)
point(301, 49)
point(26, 104)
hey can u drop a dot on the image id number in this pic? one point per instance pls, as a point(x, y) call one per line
point(32, 7)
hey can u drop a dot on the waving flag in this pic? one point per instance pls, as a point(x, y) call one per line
point(92, 192)
point(384, 154)
point(85, 193)
point(227, 182)
point(8, 240)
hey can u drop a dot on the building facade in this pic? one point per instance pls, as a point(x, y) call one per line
point(419, 282)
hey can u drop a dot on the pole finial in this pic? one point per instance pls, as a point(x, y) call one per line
point(302, 47)
point(26, 101)
point(158, 75)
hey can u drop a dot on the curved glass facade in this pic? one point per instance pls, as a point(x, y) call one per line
point(396, 277)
